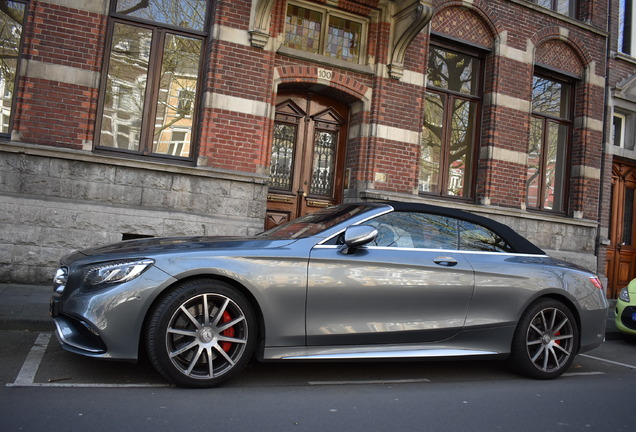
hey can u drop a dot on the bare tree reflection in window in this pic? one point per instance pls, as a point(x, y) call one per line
point(189, 14)
point(11, 19)
point(548, 145)
point(450, 119)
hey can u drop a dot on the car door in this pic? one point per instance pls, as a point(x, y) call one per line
point(410, 285)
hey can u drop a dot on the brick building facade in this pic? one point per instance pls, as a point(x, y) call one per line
point(618, 217)
point(128, 118)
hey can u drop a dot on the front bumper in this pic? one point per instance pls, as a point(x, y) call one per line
point(625, 317)
point(107, 323)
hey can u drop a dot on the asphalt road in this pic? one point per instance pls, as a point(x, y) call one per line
point(45, 388)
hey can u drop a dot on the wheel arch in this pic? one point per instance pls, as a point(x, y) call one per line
point(212, 277)
point(565, 300)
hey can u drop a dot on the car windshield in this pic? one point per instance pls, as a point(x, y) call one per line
point(314, 223)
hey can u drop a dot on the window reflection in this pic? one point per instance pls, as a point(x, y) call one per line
point(188, 14)
point(320, 32)
point(11, 20)
point(324, 160)
point(282, 156)
point(431, 143)
point(179, 80)
point(453, 71)
point(152, 80)
point(125, 88)
point(450, 123)
point(431, 231)
point(550, 130)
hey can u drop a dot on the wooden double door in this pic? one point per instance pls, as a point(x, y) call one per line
point(621, 254)
point(307, 160)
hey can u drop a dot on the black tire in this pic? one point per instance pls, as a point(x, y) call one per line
point(194, 348)
point(545, 341)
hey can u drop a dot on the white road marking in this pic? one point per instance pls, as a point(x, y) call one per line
point(26, 376)
point(32, 362)
point(609, 361)
point(571, 374)
point(89, 385)
point(360, 382)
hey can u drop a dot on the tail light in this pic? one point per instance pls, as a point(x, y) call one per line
point(597, 282)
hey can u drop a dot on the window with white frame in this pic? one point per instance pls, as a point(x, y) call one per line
point(623, 129)
point(619, 130)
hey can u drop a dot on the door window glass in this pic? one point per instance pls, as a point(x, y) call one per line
point(418, 230)
point(628, 218)
point(324, 163)
point(474, 237)
point(429, 231)
point(282, 156)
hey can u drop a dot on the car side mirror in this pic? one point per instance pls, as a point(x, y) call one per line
point(356, 236)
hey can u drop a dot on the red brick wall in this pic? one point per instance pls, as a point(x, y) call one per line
point(51, 112)
point(57, 114)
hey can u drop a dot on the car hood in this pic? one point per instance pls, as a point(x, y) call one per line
point(152, 246)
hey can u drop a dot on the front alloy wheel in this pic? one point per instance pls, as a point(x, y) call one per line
point(201, 334)
point(546, 340)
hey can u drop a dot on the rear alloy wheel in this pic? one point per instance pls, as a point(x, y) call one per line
point(546, 340)
point(201, 334)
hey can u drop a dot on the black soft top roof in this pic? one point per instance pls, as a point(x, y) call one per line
point(519, 243)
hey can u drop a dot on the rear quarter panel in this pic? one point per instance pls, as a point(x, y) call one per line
point(506, 284)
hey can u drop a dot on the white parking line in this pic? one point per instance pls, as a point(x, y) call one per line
point(609, 361)
point(572, 374)
point(90, 385)
point(26, 376)
point(359, 382)
point(32, 362)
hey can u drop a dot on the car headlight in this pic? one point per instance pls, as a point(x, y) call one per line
point(109, 273)
point(624, 295)
point(60, 279)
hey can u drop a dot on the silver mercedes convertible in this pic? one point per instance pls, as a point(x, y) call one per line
point(355, 281)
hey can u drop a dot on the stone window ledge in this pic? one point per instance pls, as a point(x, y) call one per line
point(89, 157)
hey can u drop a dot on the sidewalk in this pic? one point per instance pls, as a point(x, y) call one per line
point(26, 307)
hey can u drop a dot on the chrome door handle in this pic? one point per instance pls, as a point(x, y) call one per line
point(445, 261)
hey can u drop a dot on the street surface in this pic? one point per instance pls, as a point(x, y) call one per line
point(46, 388)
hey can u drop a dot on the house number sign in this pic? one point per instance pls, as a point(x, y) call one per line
point(325, 74)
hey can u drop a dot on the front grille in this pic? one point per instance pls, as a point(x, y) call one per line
point(627, 317)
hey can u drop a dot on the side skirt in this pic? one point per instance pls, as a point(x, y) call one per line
point(494, 341)
point(353, 353)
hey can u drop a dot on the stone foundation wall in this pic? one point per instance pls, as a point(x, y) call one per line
point(53, 202)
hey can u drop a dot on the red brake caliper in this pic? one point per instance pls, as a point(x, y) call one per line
point(226, 318)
